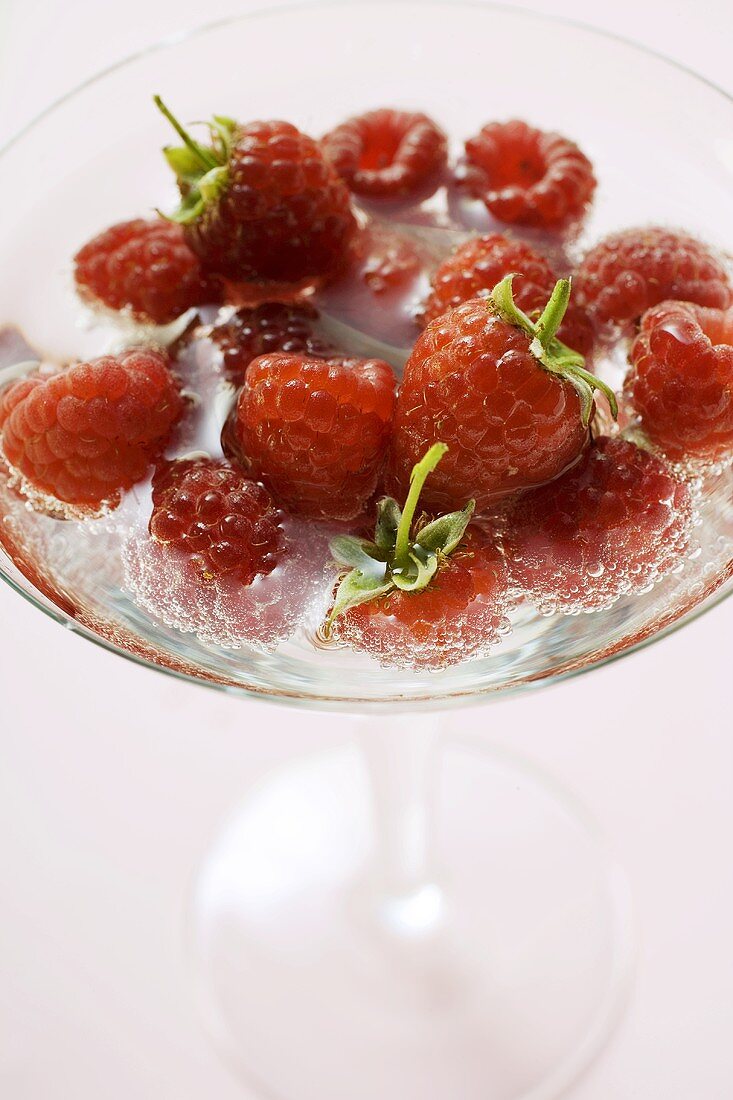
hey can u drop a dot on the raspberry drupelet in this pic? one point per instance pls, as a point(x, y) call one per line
point(681, 380)
point(512, 402)
point(477, 265)
point(628, 272)
point(224, 522)
point(144, 269)
point(270, 327)
point(528, 176)
point(316, 431)
point(388, 153)
point(425, 594)
point(86, 433)
point(614, 524)
point(261, 202)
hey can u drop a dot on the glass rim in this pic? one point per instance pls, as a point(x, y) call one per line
point(476, 695)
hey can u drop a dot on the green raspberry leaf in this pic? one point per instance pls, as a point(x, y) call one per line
point(184, 163)
point(423, 567)
point(213, 183)
point(389, 515)
point(358, 553)
point(188, 209)
point(355, 588)
point(223, 129)
point(445, 533)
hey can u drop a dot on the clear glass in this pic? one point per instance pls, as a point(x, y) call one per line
point(422, 919)
point(670, 167)
point(414, 917)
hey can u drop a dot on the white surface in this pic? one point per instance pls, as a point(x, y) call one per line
point(113, 779)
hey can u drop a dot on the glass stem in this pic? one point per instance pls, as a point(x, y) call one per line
point(399, 754)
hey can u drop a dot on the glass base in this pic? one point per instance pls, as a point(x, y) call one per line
point(500, 977)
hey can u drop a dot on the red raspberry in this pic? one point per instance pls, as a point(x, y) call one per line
point(626, 273)
point(226, 522)
point(424, 594)
point(479, 264)
point(86, 433)
point(271, 207)
point(270, 327)
point(144, 268)
point(316, 431)
point(681, 380)
point(388, 153)
point(612, 525)
point(512, 420)
point(16, 392)
point(390, 261)
point(528, 176)
point(375, 295)
point(460, 615)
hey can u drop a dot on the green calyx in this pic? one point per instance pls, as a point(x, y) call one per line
point(201, 170)
point(400, 557)
point(551, 353)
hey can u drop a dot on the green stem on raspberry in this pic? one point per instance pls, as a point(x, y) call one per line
point(552, 315)
point(202, 154)
point(397, 559)
point(502, 302)
point(420, 472)
point(550, 352)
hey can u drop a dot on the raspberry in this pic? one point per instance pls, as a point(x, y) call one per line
point(628, 272)
point(273, 208)
point(390, 261)
point(375, 294)
point(681, 380)
point(461, 615)
point(512, 420)
point(270, 327)
point(144, 268)
point(424, 594)
point(528, 176)
point(226, 523)
point(316, 431)
point(612, 525)
point(479, 264)
point(86, 433)
point(388, 153)
point(177, 585)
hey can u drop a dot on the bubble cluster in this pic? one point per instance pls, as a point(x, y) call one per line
point(614, 524)
point(462, 615)
point(222, 611)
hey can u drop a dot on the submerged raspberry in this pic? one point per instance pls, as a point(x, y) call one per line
point(627, 272)
point(472, 382)
point(270, 327)
point(144, 268)
point(316, 431)
point(681, 380)
point(460, 615)
point(84, 434)
point(478, 264)
point(224, 522)
point(614, 524)
point(528, 176)
point(390, 262)
point(221, 610)
point(387, 153)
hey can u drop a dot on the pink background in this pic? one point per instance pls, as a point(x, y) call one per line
point(113, 779)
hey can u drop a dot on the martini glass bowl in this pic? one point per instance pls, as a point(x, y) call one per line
point(408, 917)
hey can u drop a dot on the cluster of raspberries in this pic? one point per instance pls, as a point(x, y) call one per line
point(496, 378)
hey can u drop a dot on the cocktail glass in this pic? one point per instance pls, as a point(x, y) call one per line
point(413, 916)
